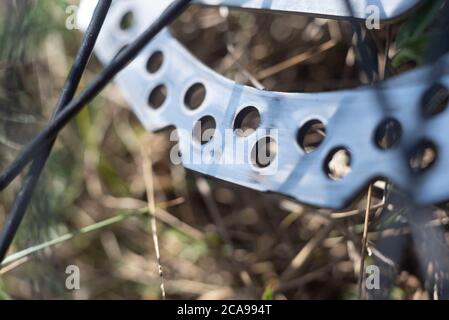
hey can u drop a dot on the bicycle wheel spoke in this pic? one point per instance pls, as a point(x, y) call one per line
point(91, 91)
point(82, 58)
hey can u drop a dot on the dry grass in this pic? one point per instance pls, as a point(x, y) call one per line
point(215, 240)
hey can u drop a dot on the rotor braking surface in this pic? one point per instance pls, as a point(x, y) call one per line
point(159, 94)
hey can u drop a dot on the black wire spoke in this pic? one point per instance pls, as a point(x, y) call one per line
point(68, 92)
point(90, 92)
point(67, 108)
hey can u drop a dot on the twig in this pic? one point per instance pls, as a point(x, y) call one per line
point(300, 58)
point(66, 237)
point(13, 265)
point(382, 257)
point(206, 194)
point(149, 186)
point(304, 254)
point(161, 213)
point(91, 228)
point(244, 71)
point(364, 241)
point(356, 212)
point(302, 280)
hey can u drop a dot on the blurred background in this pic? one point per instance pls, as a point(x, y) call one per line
point(216, 240)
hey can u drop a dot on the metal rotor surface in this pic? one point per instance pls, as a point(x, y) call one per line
point(351, 118)
point(387, 9)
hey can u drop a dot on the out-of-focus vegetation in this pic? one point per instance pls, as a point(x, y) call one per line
point(415, 36)
point(217, 240)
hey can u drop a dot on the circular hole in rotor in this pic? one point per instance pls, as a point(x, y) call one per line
point(247, 121)
point(435, 100)
point(155, 62)
point(204, 129)
point(127, 21)
point(388, 133)
point(423, 156)
point(264, 152)
point(195, 96)
point(338, 163)
point(157, 96)
point(311, 135)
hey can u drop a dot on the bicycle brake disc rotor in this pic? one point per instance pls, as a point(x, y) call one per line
point(351, 117)
point(388, 9)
